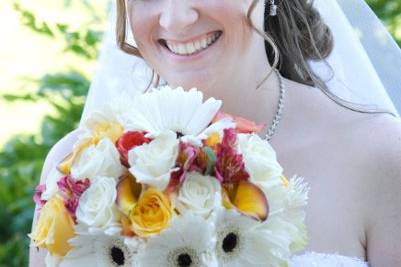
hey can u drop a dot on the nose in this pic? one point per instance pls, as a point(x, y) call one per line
point(177, 15)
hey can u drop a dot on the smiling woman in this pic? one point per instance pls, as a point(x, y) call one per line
point(255, 56)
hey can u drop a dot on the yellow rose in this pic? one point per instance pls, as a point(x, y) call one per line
point(54, 228)
point(151, 214)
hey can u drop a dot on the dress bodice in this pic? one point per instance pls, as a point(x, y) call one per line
point(312, 259)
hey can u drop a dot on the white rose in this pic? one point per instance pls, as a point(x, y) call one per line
point(102, 159)
point(259, 158)
point(199, 194)
point(96, 208)
point(51, 183)
point(152, 163)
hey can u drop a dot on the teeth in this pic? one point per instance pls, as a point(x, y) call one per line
point(192, 47)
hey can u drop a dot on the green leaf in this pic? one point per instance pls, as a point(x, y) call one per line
point(211, 159)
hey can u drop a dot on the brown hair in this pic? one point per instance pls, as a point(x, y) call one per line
point(295, 35)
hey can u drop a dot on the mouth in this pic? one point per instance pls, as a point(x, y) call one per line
point(192, 47)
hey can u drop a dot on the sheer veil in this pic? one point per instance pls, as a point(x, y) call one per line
point(366, 61)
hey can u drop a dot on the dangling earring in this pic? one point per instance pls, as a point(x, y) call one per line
point(272, 8)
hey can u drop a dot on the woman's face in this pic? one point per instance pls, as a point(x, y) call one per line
point(189, 42)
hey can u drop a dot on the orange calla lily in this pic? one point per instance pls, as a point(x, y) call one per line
point(128, 192)
point(247, 198)
point(242, 125)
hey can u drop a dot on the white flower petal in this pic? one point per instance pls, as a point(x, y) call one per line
point(96, 208)
point(102, 159)
point(217, 127)
point(188, 235)
point(51, 183)
point(172, 109)
point(198, 195)
point(203, 116)
point(99, 250)
point(152, 163)
point(259, 158)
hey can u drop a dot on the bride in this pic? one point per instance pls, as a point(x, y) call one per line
point(262, 60)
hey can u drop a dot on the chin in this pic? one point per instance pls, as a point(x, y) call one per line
point(200, 80)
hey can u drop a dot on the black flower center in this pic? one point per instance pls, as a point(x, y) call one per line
point(117, 255)
point(184, 260)
point(230, 242)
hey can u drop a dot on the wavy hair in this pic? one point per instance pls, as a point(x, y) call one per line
point(295, 35)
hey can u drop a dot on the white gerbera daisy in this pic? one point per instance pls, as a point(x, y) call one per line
point(182, 112)
point(114, 111)
point(100, 251)
point(189, 242)
point(241, 241)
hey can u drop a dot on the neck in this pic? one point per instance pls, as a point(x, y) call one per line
point(241, 97)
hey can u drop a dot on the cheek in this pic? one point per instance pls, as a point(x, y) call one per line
point(142, 21)
point(233, 16)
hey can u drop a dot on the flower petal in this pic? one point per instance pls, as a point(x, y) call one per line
point(128, 192)
point(65, 166)
point(248, 199)
point(242, 125)
point(203, 116)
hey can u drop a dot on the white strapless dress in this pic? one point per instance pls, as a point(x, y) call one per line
point(313, 259)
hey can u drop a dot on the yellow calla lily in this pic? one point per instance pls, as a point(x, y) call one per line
point(128, 192)
point(247, 198)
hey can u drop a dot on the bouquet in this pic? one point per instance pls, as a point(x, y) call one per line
point(166, 179)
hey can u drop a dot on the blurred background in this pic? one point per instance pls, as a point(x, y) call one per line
point(47, 58)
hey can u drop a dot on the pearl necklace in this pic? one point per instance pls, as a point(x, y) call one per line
point(277, 117)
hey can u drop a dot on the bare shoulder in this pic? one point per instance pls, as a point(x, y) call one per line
point(58, 152)
point(380, 141)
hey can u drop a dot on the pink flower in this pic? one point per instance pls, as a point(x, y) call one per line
point(187, 154)
point(71, 191)
point(37, 197)
point(230, 167)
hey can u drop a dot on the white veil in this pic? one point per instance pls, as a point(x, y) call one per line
point(366, 61)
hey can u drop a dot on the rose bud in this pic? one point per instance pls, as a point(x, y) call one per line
point(128, 141)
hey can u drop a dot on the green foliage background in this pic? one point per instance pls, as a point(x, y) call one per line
point(22, 157)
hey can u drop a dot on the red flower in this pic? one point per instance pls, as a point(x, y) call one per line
point(71, 191)
point(230, 167)
point(128, 141)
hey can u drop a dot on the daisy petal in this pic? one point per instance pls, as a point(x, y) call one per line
point(203, 116)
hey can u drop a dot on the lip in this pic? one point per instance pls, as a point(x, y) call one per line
point(192, 39)
point(192, 57)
